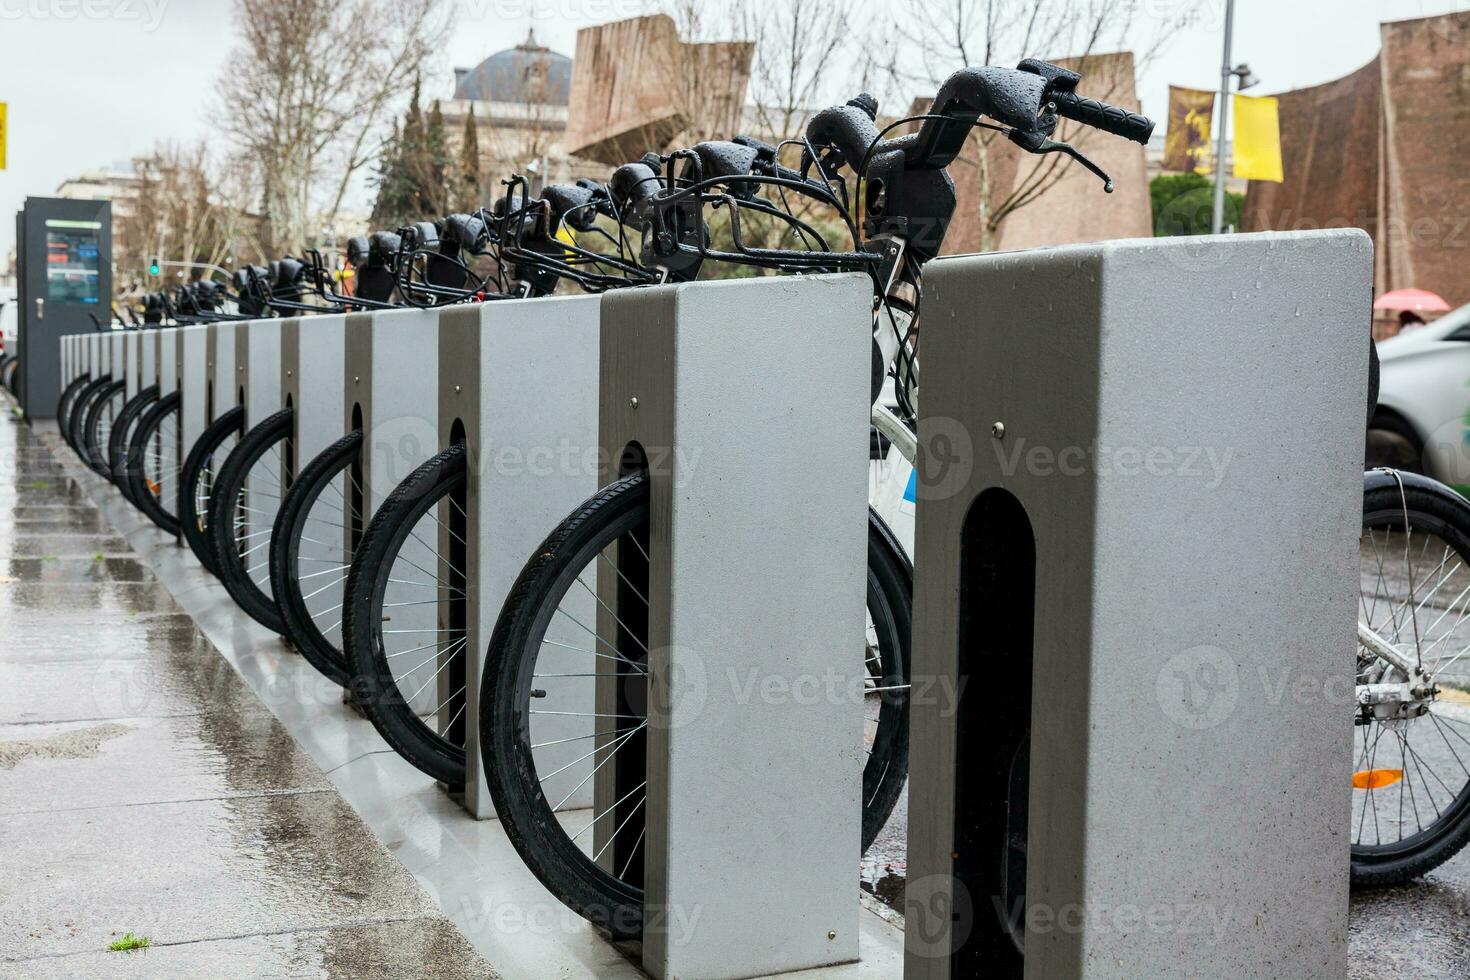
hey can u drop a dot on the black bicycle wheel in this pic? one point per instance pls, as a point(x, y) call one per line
point(101, 415)
point(536, 767)
point(197, 479)
point(310, 553)
point(404, 628)
point(77, 417)
point(242, 515)
point(1411, 779)
point(152, 470)
point(64, 403)
point(122, 436)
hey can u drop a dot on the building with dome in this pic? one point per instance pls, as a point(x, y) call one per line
point(519, 98)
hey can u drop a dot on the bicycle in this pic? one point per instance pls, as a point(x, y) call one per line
point(906, 201)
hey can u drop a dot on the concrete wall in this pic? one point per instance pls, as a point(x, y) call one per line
point(1384, 149)
point(636, 85)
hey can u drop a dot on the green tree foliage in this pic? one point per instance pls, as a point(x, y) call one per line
point(1184, 205)
point(469, 165)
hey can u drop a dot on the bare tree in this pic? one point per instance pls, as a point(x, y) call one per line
point(704, 78)
point(185, 211)
point(938, 37)
point(307, 91)
point(802, 47)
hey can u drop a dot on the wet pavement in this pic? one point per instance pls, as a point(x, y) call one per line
point(175, 774)
point(145, 788)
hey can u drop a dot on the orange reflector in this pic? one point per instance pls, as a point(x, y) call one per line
point(1376, 778)
point(154, 487)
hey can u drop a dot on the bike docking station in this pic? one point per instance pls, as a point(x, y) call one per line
point(167, 375)
point(1139, 501)
point(132, 364)
point(313, 349)
point(258, 369)
point(530, 436)
point(752, 439)
point(71, 359)
point(195, 353)
point(117, 359)
point(390, 393)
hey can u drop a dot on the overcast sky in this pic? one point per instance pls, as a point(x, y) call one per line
point(93, 82)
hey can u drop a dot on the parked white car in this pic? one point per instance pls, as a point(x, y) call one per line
point(1423, 417)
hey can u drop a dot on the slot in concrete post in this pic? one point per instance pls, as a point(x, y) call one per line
point(518, 385)
point(755, 436)
point(1139, 507)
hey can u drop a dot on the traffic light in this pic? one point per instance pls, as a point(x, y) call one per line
point(154, 267)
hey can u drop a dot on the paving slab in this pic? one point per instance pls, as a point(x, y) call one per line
point(146, 787)
point(406, 948)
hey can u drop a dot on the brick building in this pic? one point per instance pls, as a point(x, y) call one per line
point(1384, 149)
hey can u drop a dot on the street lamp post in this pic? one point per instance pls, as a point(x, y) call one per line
point(1246, 80)
point(1226, 70)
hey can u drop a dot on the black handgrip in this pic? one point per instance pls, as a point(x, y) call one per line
point(849, 128)
point(631, 185)
point(1100, 115)
point(573, 204)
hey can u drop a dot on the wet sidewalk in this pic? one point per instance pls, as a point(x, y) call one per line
point(145, 789)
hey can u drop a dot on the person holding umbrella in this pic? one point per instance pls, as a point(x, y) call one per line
point(1410, 305)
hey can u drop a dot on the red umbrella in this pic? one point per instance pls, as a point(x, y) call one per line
point(1419, 300)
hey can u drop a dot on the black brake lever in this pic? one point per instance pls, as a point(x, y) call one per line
point(1033, 142)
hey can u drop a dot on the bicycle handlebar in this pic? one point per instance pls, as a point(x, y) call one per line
point(1100, 115)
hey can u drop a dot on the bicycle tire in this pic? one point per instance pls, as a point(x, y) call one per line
point(224, 520)
point(151, 495)
point(1438, 510)
point(63, 403)
point(94, 442)
point(121, 436)
point(373, 686)
point(555, 859)
point(194, 494)
point(78, 413)
point(289, 580)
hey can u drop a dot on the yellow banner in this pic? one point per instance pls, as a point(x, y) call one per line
point(3, 127)
point(1187, 144)
point(1257, 139)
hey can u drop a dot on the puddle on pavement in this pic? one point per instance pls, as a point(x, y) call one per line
point(82, 743)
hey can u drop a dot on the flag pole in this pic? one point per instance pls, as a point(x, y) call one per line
point(1217, 222)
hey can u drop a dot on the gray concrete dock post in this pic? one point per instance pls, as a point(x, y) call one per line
point(518, 384)
point(1138, 515)
point(750, 401)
